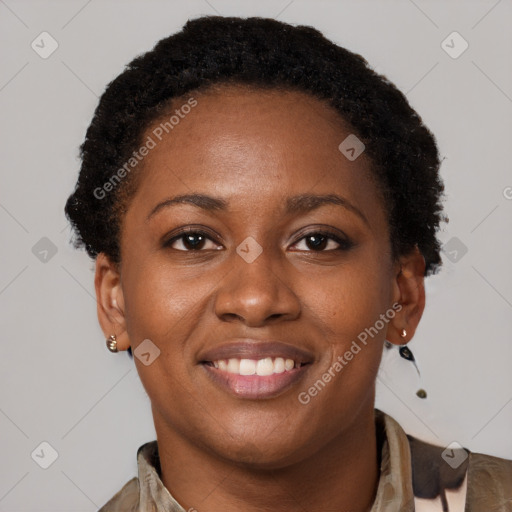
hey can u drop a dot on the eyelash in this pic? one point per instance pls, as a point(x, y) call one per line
point(344, 244)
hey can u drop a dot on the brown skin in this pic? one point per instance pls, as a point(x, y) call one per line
point(254, 149)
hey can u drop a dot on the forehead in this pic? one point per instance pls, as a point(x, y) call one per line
point(251, 145)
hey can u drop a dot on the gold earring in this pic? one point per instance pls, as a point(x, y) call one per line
point(112, 343)
point(403, 333)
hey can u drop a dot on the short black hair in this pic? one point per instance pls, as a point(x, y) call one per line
point(264, 53)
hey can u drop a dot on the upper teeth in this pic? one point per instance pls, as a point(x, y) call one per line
point(266, 366)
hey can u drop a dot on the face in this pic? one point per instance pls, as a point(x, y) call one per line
point(276, 260)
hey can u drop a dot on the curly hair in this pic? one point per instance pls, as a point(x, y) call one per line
point(262, 53)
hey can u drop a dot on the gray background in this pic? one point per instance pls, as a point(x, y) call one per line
point(58, 382)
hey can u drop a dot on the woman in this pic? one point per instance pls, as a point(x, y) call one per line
point(262, 208)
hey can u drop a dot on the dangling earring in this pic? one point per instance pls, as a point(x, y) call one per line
point(112, 343)
point(406, 353)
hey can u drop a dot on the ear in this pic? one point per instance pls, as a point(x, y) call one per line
point(409, 292)
point(110, 301)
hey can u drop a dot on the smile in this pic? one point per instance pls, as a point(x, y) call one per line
point(261, 367)
point(255, 369)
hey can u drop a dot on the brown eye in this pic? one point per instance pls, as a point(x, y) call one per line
point(316, 242)
point(190, 241)
point(325, 242)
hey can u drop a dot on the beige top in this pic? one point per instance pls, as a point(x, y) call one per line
point(414, 476)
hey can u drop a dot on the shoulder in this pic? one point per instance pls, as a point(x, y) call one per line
point(489, 482)
point(437, 470)
point(126, 500)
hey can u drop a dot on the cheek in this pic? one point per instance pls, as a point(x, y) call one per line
point(161, 303)
point(165, 306)
point(350, 310)
point(347, 302)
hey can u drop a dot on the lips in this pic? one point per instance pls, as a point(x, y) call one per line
point(255, 369)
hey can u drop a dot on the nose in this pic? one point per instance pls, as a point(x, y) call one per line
point(256, 293)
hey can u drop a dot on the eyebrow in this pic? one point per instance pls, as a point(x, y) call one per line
point(297, 204)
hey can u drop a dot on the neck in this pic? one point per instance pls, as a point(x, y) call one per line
point(342, 476)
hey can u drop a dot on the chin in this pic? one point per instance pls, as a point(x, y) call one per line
point(260, 452)
point(251, 457)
